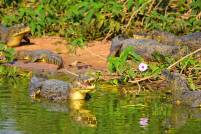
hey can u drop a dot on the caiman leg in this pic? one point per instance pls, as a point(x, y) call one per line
point(26, 38)
point(33, 60)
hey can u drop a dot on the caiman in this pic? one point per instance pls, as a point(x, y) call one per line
point(181, 92)
point(193, 40)
point(40, 55)
point(179, 116)
point(145, 48)
point(13, 35)
point(165, 38)
point(54, 89)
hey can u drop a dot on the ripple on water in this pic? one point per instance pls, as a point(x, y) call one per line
point(10, 132)
point(8, 126)
point(4, 93)
point(113, 113)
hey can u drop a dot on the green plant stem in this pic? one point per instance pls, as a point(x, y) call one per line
point(69, 72)
point(142, 79)
point(192, 53)
point(134, 13)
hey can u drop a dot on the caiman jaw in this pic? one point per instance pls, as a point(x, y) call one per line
point(76, 94)
point(34, 94)
point(86, 84)
point(84, 90)
point(26, 58)
point(24, 31)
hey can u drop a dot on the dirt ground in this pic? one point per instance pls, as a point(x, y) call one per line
point(92, 57)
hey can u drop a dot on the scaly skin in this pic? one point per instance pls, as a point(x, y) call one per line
point(40, 55)
point(165, 38)
point(13, 36)
point(145, 47)
point(58, 90)
point(180, 90)
point(193, 40)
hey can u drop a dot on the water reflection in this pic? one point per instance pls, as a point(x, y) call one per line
point(8, 126)
point(106, 112)
point(144, 121)
point(180, 117)
point(75, 108)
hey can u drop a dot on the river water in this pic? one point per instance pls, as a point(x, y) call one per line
point(106, 112)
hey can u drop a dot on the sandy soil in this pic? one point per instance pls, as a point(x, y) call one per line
point(91, 57)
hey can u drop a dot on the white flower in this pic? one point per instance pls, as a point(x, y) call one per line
point(143, 67)
point(144, 122)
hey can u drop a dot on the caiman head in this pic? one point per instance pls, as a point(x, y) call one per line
point(116, 45)
point(35, 86)
point(23, 55)
point(178, 85)
point(81, 87)
point(16, 34)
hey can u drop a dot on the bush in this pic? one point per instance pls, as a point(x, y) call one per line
point(95, 19)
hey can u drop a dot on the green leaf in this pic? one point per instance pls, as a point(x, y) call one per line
point(130, 3)
point(191, 84)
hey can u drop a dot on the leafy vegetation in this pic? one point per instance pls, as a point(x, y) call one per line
point(6, 53)
point(83, 20)
point(129, 69)
point(8, 71)
point(80, 21)
point(120, 64)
